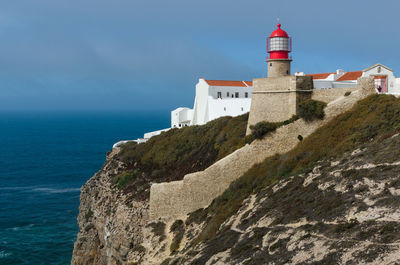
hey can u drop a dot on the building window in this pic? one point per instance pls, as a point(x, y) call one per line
point(232, 95)
point(236, 94)
point(224, 109)
point(246, 94)
point(179, 125)
point(219, 95)
point(270, 64)
point(227, 94)
point(242, 109)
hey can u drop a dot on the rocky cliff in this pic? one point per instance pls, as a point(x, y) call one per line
point(333, 199)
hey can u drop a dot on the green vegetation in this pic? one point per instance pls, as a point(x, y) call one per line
point(216, 138)
point(300, 137)
point(310, 110)
point(177, 152)
point(376, 117)
point(262, 128)
point(347, 93)
point(179, 230)
point(121, 179)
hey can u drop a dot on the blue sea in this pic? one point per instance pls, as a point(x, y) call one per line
point(44, 160)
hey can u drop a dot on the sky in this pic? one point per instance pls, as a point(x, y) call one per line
point(142, 55)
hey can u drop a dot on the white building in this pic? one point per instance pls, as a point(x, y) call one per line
point(385, 81)
point(181, 117)
point(214, 99)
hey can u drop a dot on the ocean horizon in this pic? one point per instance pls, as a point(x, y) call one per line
point(45, 158)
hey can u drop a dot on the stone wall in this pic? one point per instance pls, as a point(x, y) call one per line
point(276, 99)
point(197, 190)
point(328, 95)
point(278, 67)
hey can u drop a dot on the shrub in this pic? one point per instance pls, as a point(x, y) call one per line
point(123, 178)
point(178, 229)
point(262, 128)
point(300, 137)
point(347, 93)
point(158, 229)
point(310, 110)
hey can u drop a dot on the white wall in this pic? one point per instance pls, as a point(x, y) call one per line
point(322, 84)
point(396, 87)
point(208, 106)
point(200, 115)
point(227, 107)
point(154, 133)
point(344, 84)
point(181, 117)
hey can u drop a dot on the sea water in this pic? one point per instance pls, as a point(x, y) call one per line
point(44, 160)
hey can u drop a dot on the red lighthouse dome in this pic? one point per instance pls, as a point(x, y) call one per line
point(279, 44)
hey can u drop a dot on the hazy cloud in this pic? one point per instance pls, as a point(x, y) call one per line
point(130, 54)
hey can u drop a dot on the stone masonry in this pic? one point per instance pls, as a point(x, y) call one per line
point(197, 190)
point(276, 99)
point(328, 95)
point(278, 67)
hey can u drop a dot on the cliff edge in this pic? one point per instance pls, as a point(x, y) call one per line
point(333, 199)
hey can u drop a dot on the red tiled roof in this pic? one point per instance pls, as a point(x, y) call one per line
point(320, 76)
point(229, 83)
point(350, 76)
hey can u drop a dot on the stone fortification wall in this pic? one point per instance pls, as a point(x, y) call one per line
point(197, 190)
point(328, 95)
point(276, 99)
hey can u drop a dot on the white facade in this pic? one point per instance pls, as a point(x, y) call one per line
point(181, 117)
point(214, 99)
point(218, 98)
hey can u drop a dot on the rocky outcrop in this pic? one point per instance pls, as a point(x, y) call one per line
point(110, 222)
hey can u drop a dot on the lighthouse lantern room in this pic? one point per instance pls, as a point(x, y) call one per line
point(279, 45)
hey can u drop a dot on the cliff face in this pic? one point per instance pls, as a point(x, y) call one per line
point(110, 222)
point(114, 203)
point(333, 199)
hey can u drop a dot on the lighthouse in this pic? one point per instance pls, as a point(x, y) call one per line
point(278, 97)
point(279, 45)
